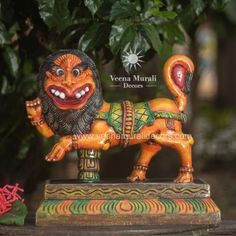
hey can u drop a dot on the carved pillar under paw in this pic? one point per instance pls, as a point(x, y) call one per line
point(88, 165)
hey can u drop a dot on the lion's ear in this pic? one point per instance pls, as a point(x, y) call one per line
point(48, 74)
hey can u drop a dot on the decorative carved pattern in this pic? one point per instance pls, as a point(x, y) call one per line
point(114, 207)
point(140, 167)
point(89, 165)
point(170, 115)
point(170, 124)
point(127, 122)
point(143, 115)
point(124, 191)
point(149, 203)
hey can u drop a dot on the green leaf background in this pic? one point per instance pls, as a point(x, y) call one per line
point(55, 13)
point(16, 216)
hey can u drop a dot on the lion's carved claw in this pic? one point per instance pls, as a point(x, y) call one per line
point(137, 176)
point(184, 177)
point(34, 109)
point(60, 149)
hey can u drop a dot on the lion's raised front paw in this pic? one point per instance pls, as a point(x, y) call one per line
point(56, 154)
point(34, 109)
point(59, 150)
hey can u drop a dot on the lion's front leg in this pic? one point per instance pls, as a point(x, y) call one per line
point(85, 141)
point(60, 149)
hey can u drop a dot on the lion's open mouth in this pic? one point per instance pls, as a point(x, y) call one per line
point(65, 99)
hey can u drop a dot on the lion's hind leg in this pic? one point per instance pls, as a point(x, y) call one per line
point(140, 168)
point(182, 143)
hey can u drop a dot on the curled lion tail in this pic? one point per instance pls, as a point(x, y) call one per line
point(178, 72)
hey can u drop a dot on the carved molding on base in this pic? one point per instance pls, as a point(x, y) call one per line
point(127, 204)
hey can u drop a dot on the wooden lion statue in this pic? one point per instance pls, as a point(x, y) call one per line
point(70, 104)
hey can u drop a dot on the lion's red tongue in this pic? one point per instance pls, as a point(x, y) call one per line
point(69, 100)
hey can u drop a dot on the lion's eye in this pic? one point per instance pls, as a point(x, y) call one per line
point(59, 72)
point(76, 72)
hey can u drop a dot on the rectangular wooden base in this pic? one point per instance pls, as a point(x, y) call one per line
point(123, 203)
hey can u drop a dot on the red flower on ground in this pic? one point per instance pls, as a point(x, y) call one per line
point(9, 194)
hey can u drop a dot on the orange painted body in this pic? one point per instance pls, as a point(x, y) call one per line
point(103, 136)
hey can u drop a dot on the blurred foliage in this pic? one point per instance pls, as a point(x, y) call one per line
point(215, 135)
point(30, 30)
point(225, 21)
